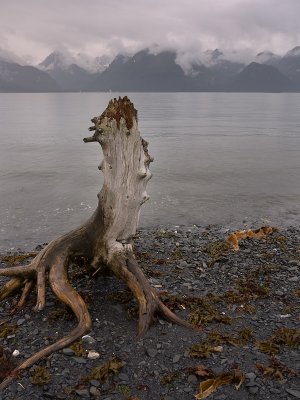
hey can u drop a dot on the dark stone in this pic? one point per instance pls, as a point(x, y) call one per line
point(253, 390)
point(151, 352)
point(84, 393)
point(68, 352)
point(192, 379)
point(80, 360)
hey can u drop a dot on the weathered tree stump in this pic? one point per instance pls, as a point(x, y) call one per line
point(105, 240)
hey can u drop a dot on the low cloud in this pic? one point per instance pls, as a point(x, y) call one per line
point(34, 27)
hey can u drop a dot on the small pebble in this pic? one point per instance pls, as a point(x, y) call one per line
point(176, 358)
point(88, 342)
point(68, 352)
point(80, 360)
point(94, 382)
point(94, 391)
point(253, 389)
point(294, 279)
point(93, 355)
point(192, 379)
point(83, 393)
point(151, 352)
point(123, 377)
point(250, 375)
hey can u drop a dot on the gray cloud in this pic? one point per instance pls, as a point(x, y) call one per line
point(98, 27)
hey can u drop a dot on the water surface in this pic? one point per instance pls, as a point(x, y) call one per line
point(220, 158)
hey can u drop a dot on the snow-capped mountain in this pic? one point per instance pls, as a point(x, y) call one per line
point(211, 70)
point(92, 64)
point(62, 67)
point(59, 59)
point(73, 72)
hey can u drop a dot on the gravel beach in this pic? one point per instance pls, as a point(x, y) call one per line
point(246, 305)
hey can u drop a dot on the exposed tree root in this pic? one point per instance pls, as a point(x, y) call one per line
point(123, 264)
point(104, 240)
point(28, 285)
point(58, 281)
point(10, 288)
point(147, 297)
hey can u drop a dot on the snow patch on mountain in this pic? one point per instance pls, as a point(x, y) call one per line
point(63, 59)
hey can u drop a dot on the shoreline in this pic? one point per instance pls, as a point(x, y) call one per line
point(256, 288)
point(225, 228)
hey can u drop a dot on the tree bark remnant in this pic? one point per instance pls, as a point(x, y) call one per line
point(105, 240)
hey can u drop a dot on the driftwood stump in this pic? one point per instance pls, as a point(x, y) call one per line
point(105, 240)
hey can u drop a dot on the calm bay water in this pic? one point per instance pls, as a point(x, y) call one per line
point(230, 159)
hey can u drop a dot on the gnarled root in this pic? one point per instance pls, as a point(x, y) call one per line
point(124, 266)
point(59, 284)
point(127, 268)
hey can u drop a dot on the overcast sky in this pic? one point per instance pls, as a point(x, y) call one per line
point(97, 27)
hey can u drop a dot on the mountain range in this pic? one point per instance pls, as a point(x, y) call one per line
point(152, 72)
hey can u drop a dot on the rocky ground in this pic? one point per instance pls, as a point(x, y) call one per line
point(246, 304)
